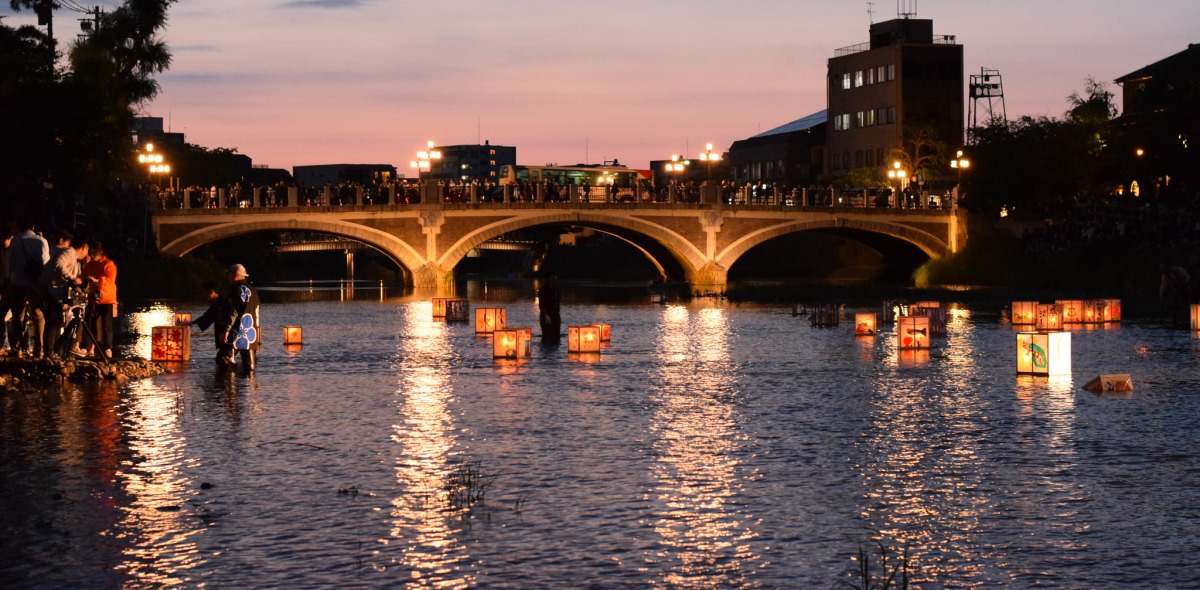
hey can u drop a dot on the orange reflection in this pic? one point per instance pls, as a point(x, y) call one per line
point(705, 534)
point(430, 551)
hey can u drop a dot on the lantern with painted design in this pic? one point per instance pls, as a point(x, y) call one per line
point(490, 319)
point(457, 310)
point(583, 339)
point(1044, 353)
point(1072, 310)
point(937, 319)
point(512, 343)
point(439, 306)
point(183, 319)
point(865, 324)
point(1049, 317)
point(605, 332)
point(912, 331)
point(1093, 311)
point(1024, 313)
point(170, 343)
point(1112, 312)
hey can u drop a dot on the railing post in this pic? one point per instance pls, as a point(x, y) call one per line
point(358, 195)
point(474, 193)
point(540, 197)
point(508, 193)
point(293, 196)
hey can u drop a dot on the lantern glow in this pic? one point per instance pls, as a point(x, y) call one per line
point(439, 307)
point(605, 332)
point(1049, 317)
point(1112, 312)
point(583, 339)
point(1093, 311)
point(1044, 353)
point(912, 332)
point(183, 319)
point(490, 319)
point(293, 335)
point(170, 343)
point(511, 343)
point(1024, 313)
point(865, 324)
point(1072, 310)
point(1195, 315)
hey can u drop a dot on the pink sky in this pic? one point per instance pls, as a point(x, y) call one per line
point(370, 81)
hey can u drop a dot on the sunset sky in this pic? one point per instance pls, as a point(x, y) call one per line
point(370, 81)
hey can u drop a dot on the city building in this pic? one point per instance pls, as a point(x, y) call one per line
point(903, 80)
point(334, 174)
point(466, 163)
point(791, 155)
point(1159, 124)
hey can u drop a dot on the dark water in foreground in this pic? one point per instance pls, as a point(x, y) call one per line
point(710, 445)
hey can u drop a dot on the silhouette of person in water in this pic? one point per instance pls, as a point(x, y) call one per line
point(548, 306)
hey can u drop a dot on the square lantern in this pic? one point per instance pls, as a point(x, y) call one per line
point(490, 319)
point(457, 310)
point(583, 339)
point(913, 331)
point(1024, 313)
point(893, 310)
point(1049, 317)
point(170, 343)
point(293, 335)
point(1119, 383)
point(1044, 353)
point(605, 332)
point(1072, 310)
point(439, 307)
point(865, 324)
point(183, 319)
point(1112, 312)
point(511, 343)
point(1195, 315)
point(1093, 311)
point(937, 319)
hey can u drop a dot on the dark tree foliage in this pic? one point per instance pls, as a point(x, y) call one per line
point(68, 128)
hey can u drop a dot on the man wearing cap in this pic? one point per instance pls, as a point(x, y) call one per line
point(236, 319)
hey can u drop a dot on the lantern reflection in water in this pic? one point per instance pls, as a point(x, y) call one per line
point(583, 339)
point(1044, 353)
point(512, 342)
point(1024, 313)
point(912, 332)
point(864, 324)
point(490, 319)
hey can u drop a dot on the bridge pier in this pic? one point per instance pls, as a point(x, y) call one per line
point(433, 278)
point(710, 278)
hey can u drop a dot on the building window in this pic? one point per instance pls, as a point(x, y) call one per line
point(858, 78)
point(846, 81)
point(871, 76)
point(881, 72)
point(879, 156)
point(860, 119)
point(870, 158)
point(891, 71)
point(858, 159)
point(870, 118)
point(841, 122)
point(891, 115)
point(491, 152)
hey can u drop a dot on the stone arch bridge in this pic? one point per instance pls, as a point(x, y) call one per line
point(428, 240)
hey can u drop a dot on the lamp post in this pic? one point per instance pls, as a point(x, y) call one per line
point(708, 157)
point(425, 159)
point(153, 161)
point(959, 163)
point(676, 166)
point(898, 174)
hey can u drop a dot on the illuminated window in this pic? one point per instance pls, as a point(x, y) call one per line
point(881, 72)
point(871, 76)
point(846, 81)
point(891, 72)
point(858, 78)
point(860, 119)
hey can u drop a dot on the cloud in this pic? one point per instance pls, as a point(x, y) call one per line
point(325, 3)
point(192, 48)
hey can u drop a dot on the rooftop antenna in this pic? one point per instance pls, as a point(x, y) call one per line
point(871, 11)
point(906, 8)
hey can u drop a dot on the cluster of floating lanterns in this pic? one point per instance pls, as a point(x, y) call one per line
point(516, 342)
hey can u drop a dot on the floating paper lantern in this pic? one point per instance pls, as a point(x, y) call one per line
point(932, 304)
point(605, 332)
point(1072, 310)
point(511, 343)
point(1195, 316)
point(583, 339)
point(1044, 353)
point(1121, 383)
point(293, 335)
point(1112, 312)
point(913, 331)
point(1024, 313)
point(893, 310)
point(865, 324)
point(170, 343)
point(937, 319)
point(1049, 317)
point(439, 307)
point(1093, 311)
point(183, 319)
point(489, 319)
point(457, 310)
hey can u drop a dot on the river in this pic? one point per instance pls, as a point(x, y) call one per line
point(710, 444)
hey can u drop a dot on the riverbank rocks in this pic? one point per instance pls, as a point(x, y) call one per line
point(22, 375)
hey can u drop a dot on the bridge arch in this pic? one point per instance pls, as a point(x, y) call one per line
point(391, 246)
point(925, 241)
point(685, 252)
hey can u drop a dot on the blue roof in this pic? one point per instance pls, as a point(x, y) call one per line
point(799, 124)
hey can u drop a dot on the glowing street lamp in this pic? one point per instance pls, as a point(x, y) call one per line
point(708, 157)
point(898, 174)
point(959, 163)
point(425, 159)
point(677, 165)
point(153, 161)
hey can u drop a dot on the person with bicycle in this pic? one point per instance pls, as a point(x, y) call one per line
point(27, 255)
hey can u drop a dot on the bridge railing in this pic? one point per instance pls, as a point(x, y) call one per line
point(400, 194)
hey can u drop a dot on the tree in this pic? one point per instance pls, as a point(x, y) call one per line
point(921, 152)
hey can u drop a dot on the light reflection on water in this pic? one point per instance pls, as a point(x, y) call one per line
point(709, 445)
